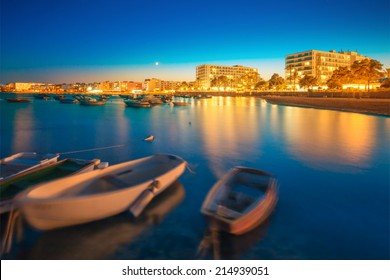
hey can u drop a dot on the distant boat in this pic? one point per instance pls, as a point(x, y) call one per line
point(14, 185)
point(22, 162)
point(42, 96)
point(240, 200)
point(59, 97)
point(99, 194)
point(176, 103)
point(137, 103)
point(69, 101)
point(18, 100)
point(149, 138)
point(91, 102)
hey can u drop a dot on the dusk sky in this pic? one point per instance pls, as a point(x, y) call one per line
point(85, 41)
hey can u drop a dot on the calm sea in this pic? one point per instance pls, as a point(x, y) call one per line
point(333, 170)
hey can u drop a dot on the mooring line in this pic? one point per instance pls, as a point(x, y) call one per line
point(94, 149)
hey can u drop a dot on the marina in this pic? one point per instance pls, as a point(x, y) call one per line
point(328, 177)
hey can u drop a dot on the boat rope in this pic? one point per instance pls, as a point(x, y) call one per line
point(14, 218)
point(191, 168)
point(94, 149)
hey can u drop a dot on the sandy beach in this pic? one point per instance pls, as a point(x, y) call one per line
point(363, 105)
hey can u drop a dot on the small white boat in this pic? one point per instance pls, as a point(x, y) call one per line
point(23, 162)
point(99, 194)
point(149, 138)
point(241, 200)
point(178, 103)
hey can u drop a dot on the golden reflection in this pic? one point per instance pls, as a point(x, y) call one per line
point(22, 128)
point(329, 139)
point(230, 129)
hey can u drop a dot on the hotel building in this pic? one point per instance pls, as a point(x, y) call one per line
point(319, 64)
point(206, 73)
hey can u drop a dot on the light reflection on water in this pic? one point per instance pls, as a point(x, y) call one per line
point(333, 169)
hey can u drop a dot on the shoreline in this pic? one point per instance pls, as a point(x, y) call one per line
point(377, 107)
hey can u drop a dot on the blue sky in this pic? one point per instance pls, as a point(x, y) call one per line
point(82, 40)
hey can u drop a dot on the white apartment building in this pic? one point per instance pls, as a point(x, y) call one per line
point(207, 72)
point(26, 86)
point(319, 64)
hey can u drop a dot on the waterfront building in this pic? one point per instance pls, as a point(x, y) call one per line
point(26, 86)
point(319, 64)
point(170, 85)
point(152, 84)
point(134, 86)
point(207, 72)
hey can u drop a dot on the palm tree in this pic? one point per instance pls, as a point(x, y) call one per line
point(295, 77)
point(289, 68)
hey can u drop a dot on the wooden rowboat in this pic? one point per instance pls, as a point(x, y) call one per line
point(18, 100)
point(99, 194)
point(137, 103)
point(178, 103)
point(23, 162)
point(241, 200)
point(16, 184)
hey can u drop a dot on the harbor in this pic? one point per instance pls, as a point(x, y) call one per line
point(331, 167)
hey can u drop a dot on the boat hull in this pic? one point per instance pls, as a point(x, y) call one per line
point(240, 223)
point(137, 104)
point(23, 162)
point(50, 212)
point(18, 100)
point(66, 167)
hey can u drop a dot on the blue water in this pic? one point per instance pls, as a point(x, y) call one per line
point(333, 170)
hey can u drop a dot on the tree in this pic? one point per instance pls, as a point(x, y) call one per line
point(276, 82)
point(307, 81)
point(220, 82)
point(340, 76)
point(248, 80)
point(295, 77)
point(290, 69)
point(367, 70)
point(183, 86)
point(261, 85)
point(386, 83)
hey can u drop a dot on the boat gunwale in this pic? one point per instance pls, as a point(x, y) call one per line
point(271, 190)
point(23, 197)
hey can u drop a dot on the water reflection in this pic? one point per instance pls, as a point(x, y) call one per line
point(326, 139)
point(101, 239)
point(221, 245)
point(21, 131)
point(229, 127)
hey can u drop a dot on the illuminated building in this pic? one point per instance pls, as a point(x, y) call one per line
point(319, 64)
point(206, 73)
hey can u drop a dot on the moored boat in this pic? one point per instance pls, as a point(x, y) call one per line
point(13, 185)
point(178, 103)
point(18, 100)
point(137, 103)
point(91, 102)
point(23, 162)
point(69, 101)
point(241, 200)
point(98, 194)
